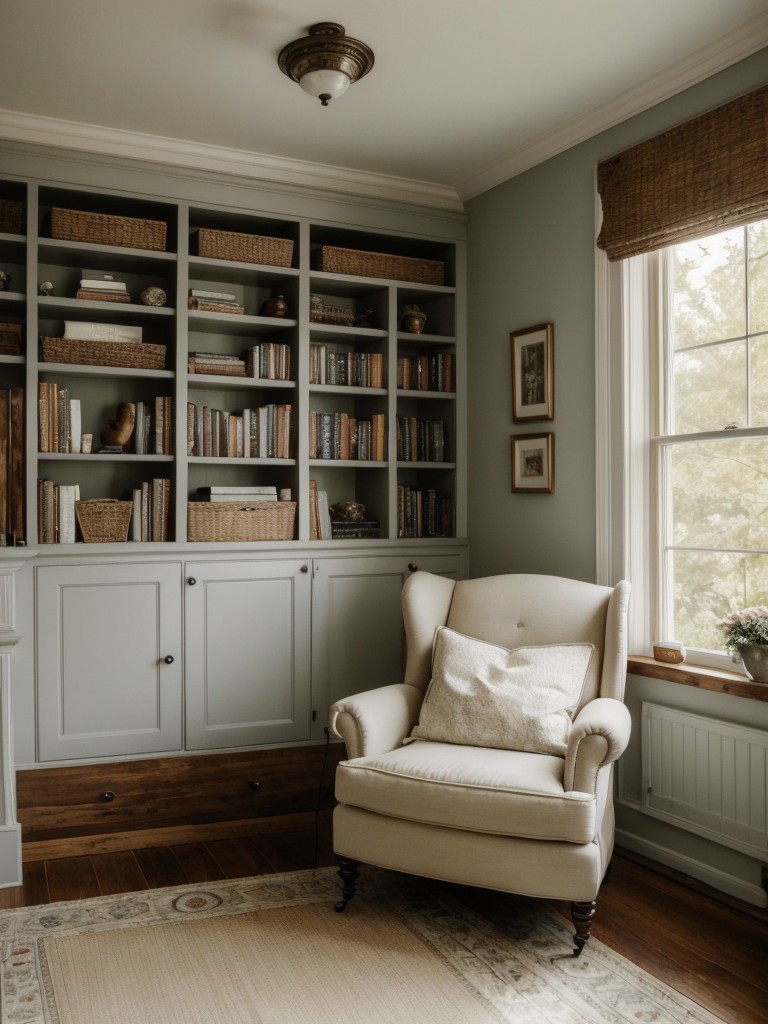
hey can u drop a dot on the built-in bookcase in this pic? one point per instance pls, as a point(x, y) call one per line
point(342, 336)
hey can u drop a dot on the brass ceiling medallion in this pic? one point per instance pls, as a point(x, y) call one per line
point(326, 61)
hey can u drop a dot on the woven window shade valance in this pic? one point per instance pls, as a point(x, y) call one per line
point(701, 177)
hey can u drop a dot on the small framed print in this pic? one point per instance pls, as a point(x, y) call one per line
point(533, 373)
point(533, 463)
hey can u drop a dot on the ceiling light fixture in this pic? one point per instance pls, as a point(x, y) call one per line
point(325, 62)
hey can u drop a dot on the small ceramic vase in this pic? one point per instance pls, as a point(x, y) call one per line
point(412, 320)
point(276, 306)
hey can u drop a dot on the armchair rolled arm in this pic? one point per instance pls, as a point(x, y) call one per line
point(376, 721)
point(599, 736)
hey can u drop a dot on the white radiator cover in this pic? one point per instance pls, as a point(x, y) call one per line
point(706, 776)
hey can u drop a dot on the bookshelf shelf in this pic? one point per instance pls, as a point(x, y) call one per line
point(201, 381)
point(115, 372)
point(93, 457)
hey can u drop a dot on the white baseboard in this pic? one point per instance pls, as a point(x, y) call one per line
point(753, 894)
point(10, 855)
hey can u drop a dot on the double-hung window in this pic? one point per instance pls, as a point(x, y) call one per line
point(709, 451)
point(683, 446)
point(682, 376)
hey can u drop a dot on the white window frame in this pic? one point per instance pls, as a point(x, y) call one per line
point(629, 386)
point(625, 486)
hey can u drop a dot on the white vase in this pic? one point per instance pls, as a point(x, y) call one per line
point(755, 659)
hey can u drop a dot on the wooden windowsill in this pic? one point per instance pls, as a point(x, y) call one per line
point(733, 683)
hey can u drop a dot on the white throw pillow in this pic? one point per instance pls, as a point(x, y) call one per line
point(483, 695)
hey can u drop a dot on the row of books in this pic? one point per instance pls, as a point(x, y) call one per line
point(426, 373)
point(151, 511)
point(153, 434)
point(355, 369)
point(319, 513)
point(11, 467)
point(269, 360)
point(57, 516)
point(262, 433)
point(336, 435)
point(266, 361)
point(58, 419)
point(60, 426)
point(422, 513)
point(216, 363)
point(420, 440)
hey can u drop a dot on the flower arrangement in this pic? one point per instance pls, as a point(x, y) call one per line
point(748, 626)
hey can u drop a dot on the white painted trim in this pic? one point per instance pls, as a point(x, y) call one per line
point(749, 893)
point(622, 423)
point(48, 131)
point(740, 44)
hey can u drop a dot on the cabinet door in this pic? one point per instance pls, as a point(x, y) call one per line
point(247, 652)
point(358, 641)
point(104, 634)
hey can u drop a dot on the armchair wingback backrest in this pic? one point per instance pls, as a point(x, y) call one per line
point(518, 610)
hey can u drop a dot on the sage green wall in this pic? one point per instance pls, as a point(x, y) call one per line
point(531, 257)
point(531, 250)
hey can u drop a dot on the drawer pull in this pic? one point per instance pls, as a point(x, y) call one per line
point(109, 796)
point(255, 784)
point(413, 567)
point(191, 581)
point(305, 568)
point(168, 659)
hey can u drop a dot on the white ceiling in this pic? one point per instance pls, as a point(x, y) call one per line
point(461, 97)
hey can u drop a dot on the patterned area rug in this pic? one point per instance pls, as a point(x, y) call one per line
point(515, 969)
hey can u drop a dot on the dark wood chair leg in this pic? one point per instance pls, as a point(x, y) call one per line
point(582, 915)
point(348, 872)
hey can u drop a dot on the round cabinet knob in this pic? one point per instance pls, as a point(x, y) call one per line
point(305, 568)
point(413, 567)
point(191, 581)
point(109, 796)
point(255, 784)
point(168, 659)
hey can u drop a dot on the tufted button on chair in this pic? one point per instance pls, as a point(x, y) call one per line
point(491, 764)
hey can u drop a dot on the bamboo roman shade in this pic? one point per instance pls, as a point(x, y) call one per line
point(703, 176)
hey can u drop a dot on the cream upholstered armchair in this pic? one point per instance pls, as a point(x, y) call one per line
point(491, 764)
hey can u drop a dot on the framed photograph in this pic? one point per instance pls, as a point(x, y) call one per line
point(533, 463)
point(533, 373)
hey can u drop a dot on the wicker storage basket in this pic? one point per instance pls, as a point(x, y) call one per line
point(244, 248)
point(108, 229)
point(104, 520)
point(134, 354)
point(11, 216)
point(377, 264)
point(229, 521)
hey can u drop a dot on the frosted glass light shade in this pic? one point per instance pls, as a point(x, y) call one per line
point(325, 62)
point(325, 83)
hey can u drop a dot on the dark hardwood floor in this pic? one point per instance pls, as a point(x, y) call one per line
point(707, 945)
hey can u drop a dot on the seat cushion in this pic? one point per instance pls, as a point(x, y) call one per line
point(484, 695)
point(502, 792)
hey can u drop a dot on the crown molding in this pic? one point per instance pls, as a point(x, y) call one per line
point(707, 62)
point(114, 142)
